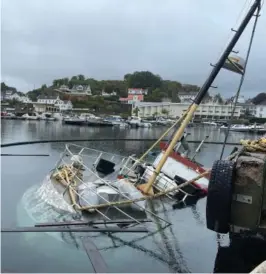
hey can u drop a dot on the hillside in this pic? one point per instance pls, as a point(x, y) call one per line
point(261, 97)
point(157, 87)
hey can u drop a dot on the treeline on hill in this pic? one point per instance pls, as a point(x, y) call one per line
point(4, 88)
point(258, 99)
point(157, 87)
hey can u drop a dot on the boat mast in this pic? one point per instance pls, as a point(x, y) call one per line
point(204, 89)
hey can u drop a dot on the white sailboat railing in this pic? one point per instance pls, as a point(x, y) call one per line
point(85, 152)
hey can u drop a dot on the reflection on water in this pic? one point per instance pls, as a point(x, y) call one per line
point(186, 246)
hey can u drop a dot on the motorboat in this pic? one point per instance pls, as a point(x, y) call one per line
point(99, 122)
point(8, 115)
point(161, 121)
point(237, 128)
point(240, 128)
point(136, 122)
point(75, 120)
point(31, 116)
point(210, 124)
point(47, 116)
point(116, 120)
point(257, 128)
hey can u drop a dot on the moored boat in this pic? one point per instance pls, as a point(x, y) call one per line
point(47, 116)
point(116, 120)
point(137, 122)
point(98, 122)
point(31, 116)
point(75, 120)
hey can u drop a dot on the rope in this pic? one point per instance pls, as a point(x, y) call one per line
point(254, 145)
point(241, 81)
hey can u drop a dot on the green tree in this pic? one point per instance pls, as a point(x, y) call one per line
point(108, 88)
point(55, 83)
point(65, 80)
point(136, 111)
point(218, 98)
point(165, 111)
point(43, 87)
point(143, 79)
point(5, 87)
point(74, 78)
point(259, 98)
point(155, 95)
point(81, 77)
point(171, 89)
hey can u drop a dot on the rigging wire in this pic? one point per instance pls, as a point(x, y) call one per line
point(241, 80)
point(241, 14)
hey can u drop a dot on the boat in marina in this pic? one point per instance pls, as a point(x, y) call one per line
point(98, 122)
point(116, 120)
point(163, 121)
point(135, 121)
point(246, 128)
point(31, 116)
point(75, 120)
point(258, 128)
point(210, 124)
point(47, 116)
point(240, 128)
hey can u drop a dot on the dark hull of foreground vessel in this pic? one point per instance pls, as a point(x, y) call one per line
point(99, 124)
point(78, 123)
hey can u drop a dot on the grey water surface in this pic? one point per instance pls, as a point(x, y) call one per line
point(186, 246)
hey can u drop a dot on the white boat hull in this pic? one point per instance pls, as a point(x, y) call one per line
point(172, 168)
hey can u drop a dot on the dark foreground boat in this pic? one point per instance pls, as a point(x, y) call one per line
point(98, 123)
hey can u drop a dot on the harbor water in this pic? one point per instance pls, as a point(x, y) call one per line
point(185, 246)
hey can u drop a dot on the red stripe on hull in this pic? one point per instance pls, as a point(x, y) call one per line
point(186, 162)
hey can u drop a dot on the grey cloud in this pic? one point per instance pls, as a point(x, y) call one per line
point(46, 39)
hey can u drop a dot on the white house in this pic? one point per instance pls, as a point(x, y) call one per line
point(187, 97)
point(25, 100)
point(105, 94)
point(52, 103)
point(248, 108)
point(7, 95)
point(63, 105)
point(137, 91)
point(11, 95)
point(209, 111)
point(43, 99)
point(64, 87)
point(15, 96)
point(261, 110)
point(81, 89)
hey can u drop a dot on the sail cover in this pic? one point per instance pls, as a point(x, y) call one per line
point(235, 64)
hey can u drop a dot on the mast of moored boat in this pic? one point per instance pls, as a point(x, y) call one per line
point(256, 5)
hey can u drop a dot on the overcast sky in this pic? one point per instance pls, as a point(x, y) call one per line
point(105, 39)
